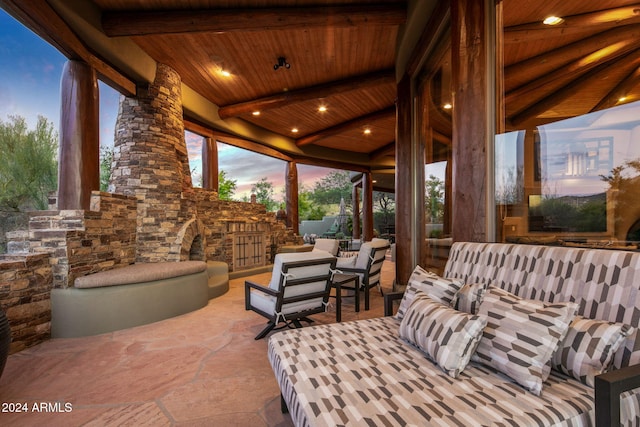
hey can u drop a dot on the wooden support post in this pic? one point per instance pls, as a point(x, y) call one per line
point(367, 206)
point(210, 164)
point(291, 189)
point(79, 162)
point(404, 203)
point(470, 124)
point(356, 212)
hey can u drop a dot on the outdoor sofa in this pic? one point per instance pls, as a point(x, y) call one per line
point(567, 313)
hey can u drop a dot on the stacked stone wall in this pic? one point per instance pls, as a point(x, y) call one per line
point(25, 292)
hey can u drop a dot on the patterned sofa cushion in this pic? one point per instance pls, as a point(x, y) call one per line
point(446, 336)
point(362, 373)
point(470, 296)
point(440, 289)
point(604, 283)
point(588, 348)
point(521, 336)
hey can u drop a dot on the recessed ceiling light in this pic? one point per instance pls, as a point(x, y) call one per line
point(553, 20)
point(447, 106)
point(322, 108)
point(622, 99)
point(294, 130)
point(256, 113)
point(367, 131)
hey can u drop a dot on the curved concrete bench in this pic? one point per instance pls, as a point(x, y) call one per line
point(128, 296)
point(218, 278)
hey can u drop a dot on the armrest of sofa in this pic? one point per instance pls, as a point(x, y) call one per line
point(608, 387)
point(389, 298)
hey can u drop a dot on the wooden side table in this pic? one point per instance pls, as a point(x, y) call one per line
point(340, 279)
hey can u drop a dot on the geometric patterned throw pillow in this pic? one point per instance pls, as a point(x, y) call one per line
point(438, 288)
point(448, 337)
point(521, 336)
point(470, 296)
point(589, 347)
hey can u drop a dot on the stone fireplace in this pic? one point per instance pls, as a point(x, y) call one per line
point(151, 214)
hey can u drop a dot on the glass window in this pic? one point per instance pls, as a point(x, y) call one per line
point(567, 160)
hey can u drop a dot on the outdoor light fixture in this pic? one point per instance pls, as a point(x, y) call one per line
point(282, 62)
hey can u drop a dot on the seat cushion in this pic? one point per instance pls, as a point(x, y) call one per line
point(318, 270)
point(363, 373)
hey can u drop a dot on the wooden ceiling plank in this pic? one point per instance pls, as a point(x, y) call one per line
point(531, 90)
point(620, 90)
point(560, 95)
point(313, 92)
point(44, 21)
point(387, 150)
point(346, 126)
point(139, 23)
point(560, 56)
point(603, 19)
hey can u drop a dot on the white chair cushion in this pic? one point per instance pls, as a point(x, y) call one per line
point(302, 272)
point(329, 245)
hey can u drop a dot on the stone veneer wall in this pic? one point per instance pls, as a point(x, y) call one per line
point(25, 290)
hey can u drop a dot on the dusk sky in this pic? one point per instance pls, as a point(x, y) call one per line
point(30, 86)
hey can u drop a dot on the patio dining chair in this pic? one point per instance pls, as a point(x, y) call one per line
point(299, 287)
point(367, 265)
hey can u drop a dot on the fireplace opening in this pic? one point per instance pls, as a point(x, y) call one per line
point(196, 252)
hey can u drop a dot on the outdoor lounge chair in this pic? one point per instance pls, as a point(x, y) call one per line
point(328, 245)
point(299, 287)
point(367, 265)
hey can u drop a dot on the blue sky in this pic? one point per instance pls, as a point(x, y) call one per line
point(30, 86)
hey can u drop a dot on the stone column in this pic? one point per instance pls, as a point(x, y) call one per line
point(151, 163)
point(210, 164)
point(291, 190)
point(79, 162)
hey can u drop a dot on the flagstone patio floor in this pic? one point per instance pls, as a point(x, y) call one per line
point(203, 368)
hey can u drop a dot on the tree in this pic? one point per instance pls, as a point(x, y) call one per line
point(434, 199)
point(263, 190)
point(307, 208)
point(29, 167)
point(226, 186)
point(384, 207)
point(106, 162)
point(330, 189)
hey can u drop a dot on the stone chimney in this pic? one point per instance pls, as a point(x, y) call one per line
point(151, 162)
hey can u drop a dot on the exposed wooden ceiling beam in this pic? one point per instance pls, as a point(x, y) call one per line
point(575, 24)
point(387, 150)
point(622, 89)
point(345, 126)
point(139, 23)
point(560, 95)
point(556, 58)
point(38, 16)
point(312, 92)
point(531, 90)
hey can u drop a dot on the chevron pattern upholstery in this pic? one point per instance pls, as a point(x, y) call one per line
point(363, 373)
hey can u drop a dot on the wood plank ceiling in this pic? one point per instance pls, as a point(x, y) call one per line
point(341, 57)
point(586, 63)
